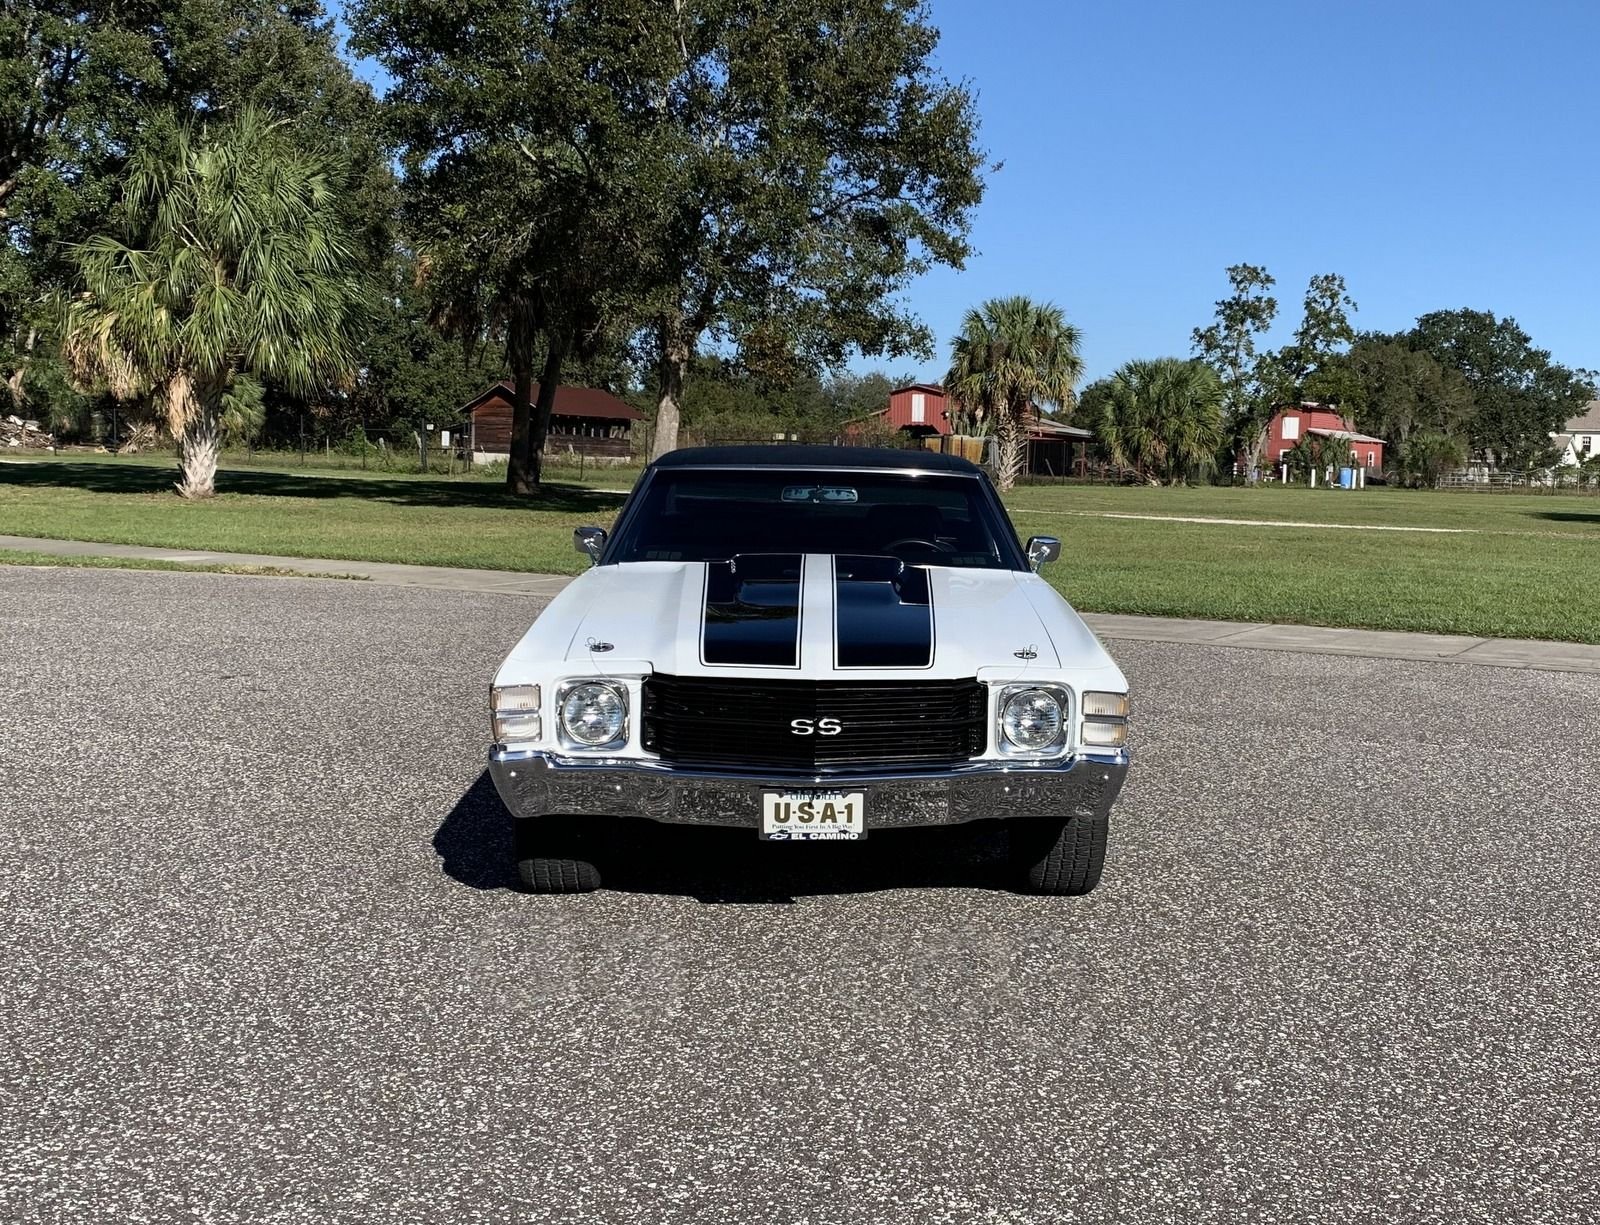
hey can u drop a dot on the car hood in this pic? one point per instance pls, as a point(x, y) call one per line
point(808, 617)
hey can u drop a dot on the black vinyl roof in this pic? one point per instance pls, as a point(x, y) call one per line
point(793, 456)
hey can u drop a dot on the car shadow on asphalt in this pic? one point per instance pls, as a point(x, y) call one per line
point(731, 866)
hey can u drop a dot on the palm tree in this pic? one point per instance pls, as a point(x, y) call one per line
point(1302, 458)
point(1012, 354)
point(1335, 452)
point(229, 262)
point(1163, 417)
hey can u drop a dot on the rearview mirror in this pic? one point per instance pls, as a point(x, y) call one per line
point(590, 541)
point(1042, 549)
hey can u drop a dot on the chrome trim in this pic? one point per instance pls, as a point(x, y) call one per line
point(1052, 752)
point(535, 783)
point(568, 741)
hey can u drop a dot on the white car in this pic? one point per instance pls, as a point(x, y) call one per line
point(811, 643)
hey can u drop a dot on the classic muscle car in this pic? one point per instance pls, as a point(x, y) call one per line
point(811, 643)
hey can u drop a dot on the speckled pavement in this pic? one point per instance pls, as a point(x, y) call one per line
point(260, 962)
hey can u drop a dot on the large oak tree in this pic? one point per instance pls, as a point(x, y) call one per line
point(1521, 395)
point(763, 174)
point(816, 162)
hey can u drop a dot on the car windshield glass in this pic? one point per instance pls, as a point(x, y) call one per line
point(691, 514)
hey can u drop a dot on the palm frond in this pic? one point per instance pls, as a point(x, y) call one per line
point(229, 256)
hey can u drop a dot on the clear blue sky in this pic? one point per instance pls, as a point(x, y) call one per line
point(1437, 153)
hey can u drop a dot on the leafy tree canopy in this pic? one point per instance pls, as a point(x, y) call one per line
point(532, 175)
point(78, 85)
point(1228, 346)
point(765, 176)
point(1305, 369)
point(1393, 391)
point(1520, 395)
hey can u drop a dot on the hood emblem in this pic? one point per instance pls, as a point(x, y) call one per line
point(599, 647)
point(1026, 653)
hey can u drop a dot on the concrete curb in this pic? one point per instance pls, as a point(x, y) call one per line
point(1303, 639)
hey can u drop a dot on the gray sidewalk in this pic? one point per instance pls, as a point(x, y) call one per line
point(391, 573)
point(1305, 639)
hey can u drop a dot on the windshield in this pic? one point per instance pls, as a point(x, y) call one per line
point(687, 514)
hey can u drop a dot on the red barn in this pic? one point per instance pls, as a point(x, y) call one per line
point(1291, 423)
point(583, 419)
point(922, 409)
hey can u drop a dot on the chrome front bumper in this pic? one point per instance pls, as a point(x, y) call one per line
point(535, 784)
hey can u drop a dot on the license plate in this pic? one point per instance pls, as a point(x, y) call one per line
point(812, 816)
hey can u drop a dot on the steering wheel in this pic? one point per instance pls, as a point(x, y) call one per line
point(933, 546)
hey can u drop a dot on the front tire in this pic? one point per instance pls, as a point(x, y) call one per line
point(553, 855)
point(1060, 856)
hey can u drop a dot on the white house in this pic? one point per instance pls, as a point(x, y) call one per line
point(1581, 439)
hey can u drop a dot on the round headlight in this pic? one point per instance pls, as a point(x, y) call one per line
point(1032, 719)
point(593, 714)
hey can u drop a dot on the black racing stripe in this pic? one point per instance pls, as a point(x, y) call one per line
point(883, 614)
point(752, 611)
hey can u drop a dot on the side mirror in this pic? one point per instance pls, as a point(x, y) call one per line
point(590, 541)
point(1042, 549)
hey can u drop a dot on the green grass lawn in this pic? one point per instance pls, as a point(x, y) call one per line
point(1517, 566)
point(425, 520)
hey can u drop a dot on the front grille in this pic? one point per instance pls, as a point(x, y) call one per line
point(737, 721)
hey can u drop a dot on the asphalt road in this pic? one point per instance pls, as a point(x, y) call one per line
point(260, 963)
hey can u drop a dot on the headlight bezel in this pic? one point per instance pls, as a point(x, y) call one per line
point(516, 713)
point(618, 739)
point(1057, 746)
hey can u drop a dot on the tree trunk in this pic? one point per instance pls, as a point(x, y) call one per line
point(549, 380)
point(199, 450)
point(672, 366)
point(1258, 448)
point(192, 421)
point(1010, 448)
point(521, 476)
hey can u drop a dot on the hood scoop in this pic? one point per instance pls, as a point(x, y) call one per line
point(752, 611)
point(883, 613)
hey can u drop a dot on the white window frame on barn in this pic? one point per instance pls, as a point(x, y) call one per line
point(919, 408)
point(1291, 429)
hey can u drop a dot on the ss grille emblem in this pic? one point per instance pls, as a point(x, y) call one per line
point(815, 727)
